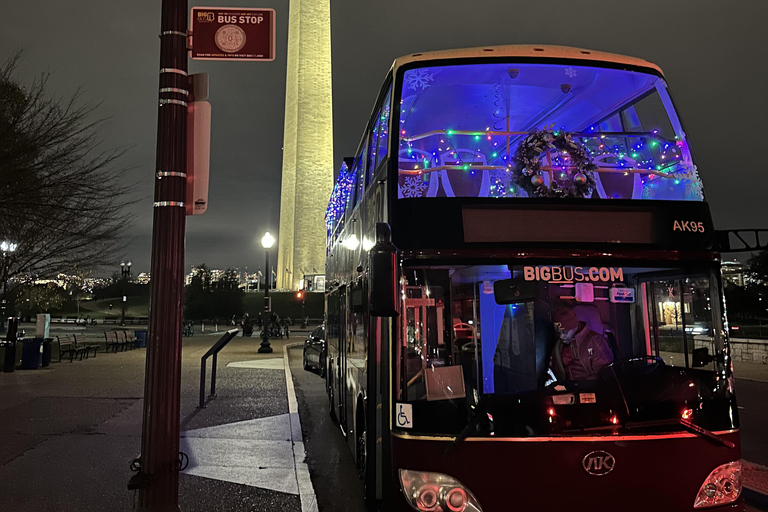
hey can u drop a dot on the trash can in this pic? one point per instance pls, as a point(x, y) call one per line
point(47, 347)
point(32, 353)
point(10, 356)
point(141, 338)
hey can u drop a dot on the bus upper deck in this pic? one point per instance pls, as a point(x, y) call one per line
point(523, 129)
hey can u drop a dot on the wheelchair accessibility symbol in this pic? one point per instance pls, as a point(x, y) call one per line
point(404, 416)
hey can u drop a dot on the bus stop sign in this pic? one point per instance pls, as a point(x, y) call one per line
point(223, 33)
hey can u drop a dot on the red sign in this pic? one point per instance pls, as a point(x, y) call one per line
point(223, 33)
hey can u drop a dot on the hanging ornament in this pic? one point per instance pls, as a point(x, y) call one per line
point(580, 179)
point(537, 180)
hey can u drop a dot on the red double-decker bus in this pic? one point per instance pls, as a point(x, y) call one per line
point(523, 296)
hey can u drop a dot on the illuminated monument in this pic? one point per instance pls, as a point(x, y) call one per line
point(307, 143)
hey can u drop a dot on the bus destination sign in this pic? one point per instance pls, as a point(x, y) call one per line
point(223, 33)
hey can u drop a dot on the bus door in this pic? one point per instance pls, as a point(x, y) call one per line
point(422, 335)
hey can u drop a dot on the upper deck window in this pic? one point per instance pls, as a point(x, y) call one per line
point(465, 131)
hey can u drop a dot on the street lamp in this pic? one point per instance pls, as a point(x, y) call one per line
point(266, 242)
point(125, 272)
point(6, 247)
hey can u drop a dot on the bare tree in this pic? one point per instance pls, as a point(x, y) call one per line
point(61, 197)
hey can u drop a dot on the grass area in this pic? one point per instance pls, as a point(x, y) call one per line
point(135, 306)
point(283, 303)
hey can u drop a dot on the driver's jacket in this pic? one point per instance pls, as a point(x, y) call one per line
point(585, 355)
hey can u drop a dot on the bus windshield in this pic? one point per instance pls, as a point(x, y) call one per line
point(562, 348)
point(540, 130)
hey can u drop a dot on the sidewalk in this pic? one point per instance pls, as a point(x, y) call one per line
point(71, 430)
point(750, 371)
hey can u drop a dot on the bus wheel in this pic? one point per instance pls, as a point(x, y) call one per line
point(361, 451)
point(364, 469)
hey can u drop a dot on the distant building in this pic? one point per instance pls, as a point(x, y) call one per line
point(215, 274)
point(733, 272)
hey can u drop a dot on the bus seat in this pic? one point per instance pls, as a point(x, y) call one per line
point(465, 186)
point(590, 315)
point(636, 190)
point(462, 330)
point(406, 161)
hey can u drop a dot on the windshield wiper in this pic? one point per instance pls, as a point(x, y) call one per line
point(686, 424)
point(481, 411)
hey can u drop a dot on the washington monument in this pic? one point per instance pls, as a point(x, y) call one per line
point(307, 143)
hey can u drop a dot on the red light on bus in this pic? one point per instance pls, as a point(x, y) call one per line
point(615, 419)
point(456, 500)
point(687, 414)
point(427, 498)
point(551, 411)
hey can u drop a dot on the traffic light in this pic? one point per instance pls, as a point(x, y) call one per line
point(298, 295)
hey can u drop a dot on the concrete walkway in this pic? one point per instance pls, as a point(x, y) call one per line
point(70, 431)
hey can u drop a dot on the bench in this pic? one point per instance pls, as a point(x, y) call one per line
point(88, 342)
point(116, 340)
point(110, 320)
point(130, 337)
point(68, 345)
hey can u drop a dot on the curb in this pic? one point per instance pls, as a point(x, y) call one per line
point(306, 490)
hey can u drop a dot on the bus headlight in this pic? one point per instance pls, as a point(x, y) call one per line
point(436, 492)
point(722, 486)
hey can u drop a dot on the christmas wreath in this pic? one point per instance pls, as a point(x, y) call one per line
point(576, 177)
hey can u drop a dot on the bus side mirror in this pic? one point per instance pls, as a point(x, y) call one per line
point(515, 291)
point(382, 260)
point(701, 357)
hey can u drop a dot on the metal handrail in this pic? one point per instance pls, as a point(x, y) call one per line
point(214, 350)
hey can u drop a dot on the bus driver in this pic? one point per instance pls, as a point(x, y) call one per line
point(580, 352)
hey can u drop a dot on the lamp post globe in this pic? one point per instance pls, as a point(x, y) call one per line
point(267, 241)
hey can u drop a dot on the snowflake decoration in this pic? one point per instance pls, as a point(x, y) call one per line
point(414, 187)
point(419, 78)
point(570, 72)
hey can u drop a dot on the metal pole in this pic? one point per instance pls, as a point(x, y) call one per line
point(202, 384)
point(265, 347)
point(5, 300)
point(213, 374)
point(162, 381)
point(122, 300)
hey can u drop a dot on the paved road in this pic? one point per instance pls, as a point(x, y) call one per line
point(753, 413)
point(331, 467)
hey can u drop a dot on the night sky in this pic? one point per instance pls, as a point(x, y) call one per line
point(712, 53)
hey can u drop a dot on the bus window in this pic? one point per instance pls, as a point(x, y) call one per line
point(383, 129)
point(468, 122)
point(379, 136)
point(360, 163)
point(589, 330)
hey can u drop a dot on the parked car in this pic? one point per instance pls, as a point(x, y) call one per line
point(315, 351)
